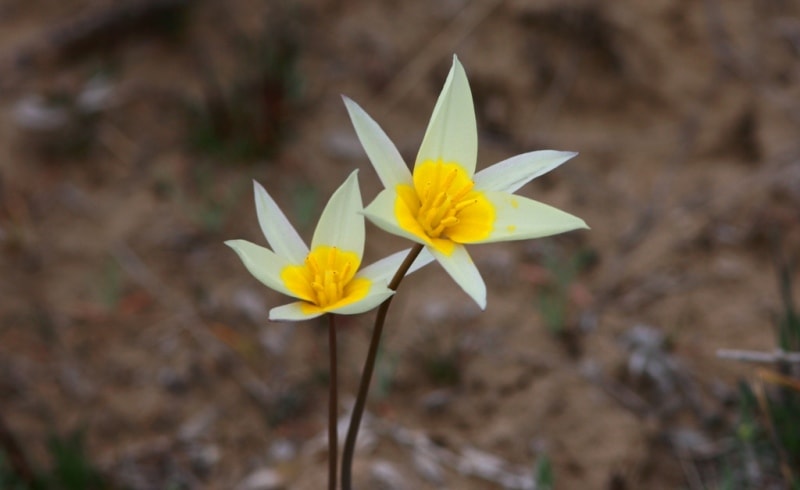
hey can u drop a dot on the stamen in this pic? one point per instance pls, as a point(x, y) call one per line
point(449, 221)
point(313, 266)
point(449, 179)
point(463, 191)
point(439, 203)
point(465, 204)
point(330, 286)
point(441, 198)
point(327, 282)
point(437, 174)
point(332, 258)
point(346, 269)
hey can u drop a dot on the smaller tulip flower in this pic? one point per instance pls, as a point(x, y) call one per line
point(444, 204)
point(325, 278)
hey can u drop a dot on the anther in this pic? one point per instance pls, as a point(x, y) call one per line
point(465, 204)
point(449, 221)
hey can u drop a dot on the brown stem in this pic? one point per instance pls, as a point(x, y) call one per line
point(333, 404)
point(369, 368)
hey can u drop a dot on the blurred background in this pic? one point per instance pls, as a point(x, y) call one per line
point(134, 347)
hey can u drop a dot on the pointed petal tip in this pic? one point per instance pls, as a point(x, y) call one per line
point(336, 226)
point(479, 298)
point(452, 132)
point(581, 225)
point(292, 312)
point(459, 265)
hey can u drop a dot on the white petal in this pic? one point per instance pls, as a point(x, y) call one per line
point(381, 212)
point(520, 218)
point(342, 224)
point(463, 271)
point(292, 312)
point(511, 174)
point(382, 271)
point(377, 295)
point(264, 264)
point(280, 234)
point(385, 158)
point(452, 133)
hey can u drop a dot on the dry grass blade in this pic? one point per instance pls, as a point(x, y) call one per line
point(763, 405)
point(777, 356)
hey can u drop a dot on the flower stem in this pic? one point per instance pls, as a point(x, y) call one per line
point(333, 404)
point(369, 368)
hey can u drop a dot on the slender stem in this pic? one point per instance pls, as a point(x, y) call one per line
point(369, 368)
point(333, 404)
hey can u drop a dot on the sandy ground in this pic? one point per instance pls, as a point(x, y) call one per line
point(122, 314)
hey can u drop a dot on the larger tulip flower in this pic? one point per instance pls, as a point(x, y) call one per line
point(444, 204)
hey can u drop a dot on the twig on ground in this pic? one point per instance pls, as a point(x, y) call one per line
point(774, 357)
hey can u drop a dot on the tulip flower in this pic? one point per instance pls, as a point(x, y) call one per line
point(326, 277)
point(444, 204)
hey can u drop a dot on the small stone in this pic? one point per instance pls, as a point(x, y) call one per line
point(499, 268)
point(251, 304)
point(96, 96)
point(282, 450)
point(204, 457)
point(198, 424)
point(386, 477)
point(172, 380)
point(343, 146)
point(690, 440)
point(443, 312)
point(263, 479)
point(477, 462)
point(34, 114)
point(436, 401)
point(275, 337)
point(427, 467)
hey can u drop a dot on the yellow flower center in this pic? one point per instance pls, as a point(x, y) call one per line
point(326, 279)
point(442, 207)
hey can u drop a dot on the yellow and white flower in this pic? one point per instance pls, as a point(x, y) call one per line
point(444, 204)
point(325, 279)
